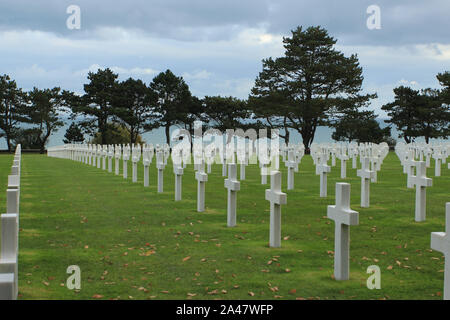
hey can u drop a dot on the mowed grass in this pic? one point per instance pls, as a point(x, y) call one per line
point(133, 243)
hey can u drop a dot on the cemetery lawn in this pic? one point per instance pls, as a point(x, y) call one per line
point(133, 243)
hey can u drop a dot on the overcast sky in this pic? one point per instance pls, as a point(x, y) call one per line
point(217, 46)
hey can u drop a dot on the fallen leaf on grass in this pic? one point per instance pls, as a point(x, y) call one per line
point(186, 259)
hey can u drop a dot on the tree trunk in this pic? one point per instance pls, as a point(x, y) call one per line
point(8, 142)
point(132, 138)
point(286, 136)
point(306, 137)
point(168, 133)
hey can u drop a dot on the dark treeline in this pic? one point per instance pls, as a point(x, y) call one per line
point(312, 85)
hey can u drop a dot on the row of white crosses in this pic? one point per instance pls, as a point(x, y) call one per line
point(440, 241)
point(416, 169)
point(101, 156)
point(295, 154)
point(10, 233)
point(371, 157)
point(340, 213)
point(408, 153)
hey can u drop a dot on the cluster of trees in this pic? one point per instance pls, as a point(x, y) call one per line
point(40, 109)
point(312, 85)
point(421, 113)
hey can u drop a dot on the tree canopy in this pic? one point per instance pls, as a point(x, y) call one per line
point(311, 82)
point(173, 98)
point(417, 113)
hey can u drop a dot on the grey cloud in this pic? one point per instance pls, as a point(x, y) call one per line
point(403, 21)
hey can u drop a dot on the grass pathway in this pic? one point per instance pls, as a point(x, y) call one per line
point(132, 243)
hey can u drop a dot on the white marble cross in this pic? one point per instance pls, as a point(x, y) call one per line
point(333, 157)
point(135, 156)
point(323, 169)
point(160, 166)
point(233, 186)
point(276, 198)
point(224, 164)
point(13, 194)
point(421, 182)
point(437, 163)
point(410, 164)
point(118, 154)
point(9, 248)
point(88, 154)
point(291, 164)
point(146, 162)
point(264, 162)
point(93, 154)
point(178, 171)
point(198, 159)
point(209, 162)
point(344, 159)
point(299, 153)
point(354, 159)
point(366, 175)
point(374, 162)
point(265, 171)
point(201, 178)
point(126, 157)
point(242, 163)
point(428, 157)
point(7, 286)
point(99, 156)
point(104, 156)
point(110, 156)
point(343, 218)
point(12, 200)
point(440, 241)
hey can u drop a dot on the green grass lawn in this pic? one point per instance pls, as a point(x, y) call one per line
point(133, 243)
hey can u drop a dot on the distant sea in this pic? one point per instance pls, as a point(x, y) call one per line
point(157, 136)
